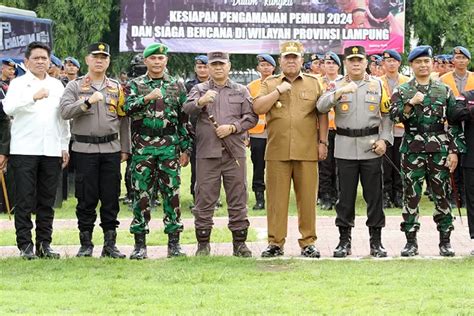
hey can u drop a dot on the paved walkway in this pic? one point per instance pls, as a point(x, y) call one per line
point(393, 239)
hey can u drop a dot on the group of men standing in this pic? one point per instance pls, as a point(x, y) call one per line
point(164, 125)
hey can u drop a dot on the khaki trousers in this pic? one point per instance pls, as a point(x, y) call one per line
point(305, 181)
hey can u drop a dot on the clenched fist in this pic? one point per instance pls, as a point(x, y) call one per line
point(41, 94)
point(417, 98)
point(283, 87)
point(155, 94)
point(96, 97)
point(348, 88)
point(207, 98)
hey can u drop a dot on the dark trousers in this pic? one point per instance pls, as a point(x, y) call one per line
point(469, 189)
point(128, 178)
point(97, 179)
point(257, 154)
point(370, 174)
point(36, 181)
point(211, 172)
point(193, 172)
point(327, 170)
point(392, 181)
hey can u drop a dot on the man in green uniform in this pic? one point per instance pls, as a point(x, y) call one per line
point(428, 149)
point(161, 141)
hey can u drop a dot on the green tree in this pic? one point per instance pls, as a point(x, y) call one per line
point(443, 24)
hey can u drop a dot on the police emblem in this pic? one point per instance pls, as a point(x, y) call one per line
point(101, 47)
point(371, 107)
point(457, 51)
point(344, 107)
point(355, 50)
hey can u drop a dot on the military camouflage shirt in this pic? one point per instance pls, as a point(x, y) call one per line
point(436, 110)
point(163, 114)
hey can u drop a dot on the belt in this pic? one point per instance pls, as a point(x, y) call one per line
point(154, 132)
point(95, 139)
point(357, 132)
point(424, 128)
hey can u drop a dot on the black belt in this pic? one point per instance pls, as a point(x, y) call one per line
point(95, 139)
point(422, 128)
point(155, 132)
point(357, 132)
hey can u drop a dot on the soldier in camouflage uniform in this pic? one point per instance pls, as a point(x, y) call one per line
point(428, 150)
point(161, 141)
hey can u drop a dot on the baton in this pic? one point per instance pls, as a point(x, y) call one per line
point(457, 197)
point(223, 140)
point(5, 194)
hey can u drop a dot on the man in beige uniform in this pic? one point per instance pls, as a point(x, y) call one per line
point(101, 141)
point(294, 145)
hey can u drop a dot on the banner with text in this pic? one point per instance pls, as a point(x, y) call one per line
point(257, 26)
point(18, 31)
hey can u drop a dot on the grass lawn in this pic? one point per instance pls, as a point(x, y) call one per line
point(68, 208)
point(154, 238)
point(232, 286)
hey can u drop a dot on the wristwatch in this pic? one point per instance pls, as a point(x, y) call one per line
point(87, 103)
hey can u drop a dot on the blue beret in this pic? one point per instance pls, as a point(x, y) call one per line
point(462, 50)
point(201, 59)
point(374, 58)
point(265, 57)
point(9, 62)
point(56, 61)
point(73, 61)
point(449, 58)
point(333, 56)
point(391, 53)
point(420, 51)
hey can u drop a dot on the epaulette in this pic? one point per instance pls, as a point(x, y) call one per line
point(273, 77)
point(79, 78)
point(310, 75)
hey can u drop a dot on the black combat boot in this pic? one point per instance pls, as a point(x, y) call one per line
point(411, 248)
point(238, 242)
point(272, 251)
point(376, 248)
point(44, 250)
point(26, 252)
point(86, 244)
point(398, 200)
point(445, 249)
point(203, 237)
point(139, 251)
point(259, 201)
point(326, 202)
point(343, 249)
point(310, 251)
point(386, 200)
point(109, 249)
point(174, 249)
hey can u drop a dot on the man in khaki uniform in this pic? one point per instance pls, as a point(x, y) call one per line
point(293, 148)
point(101, 141)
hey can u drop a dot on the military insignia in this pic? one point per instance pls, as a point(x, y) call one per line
point(386, 55)
point(112, 89)
point(101, 47)
point(161, 49)
point(85, 88)
point(371, 107)
point(344, 97)
point(112, 109)
point(345, 107)
point(457, 51)
point(355, 50)
point(278, 105)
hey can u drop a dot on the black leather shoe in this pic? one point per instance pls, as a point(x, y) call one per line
point(44, 250)
point(272, 251)
point(139, 252)
point(27, 252)
point(310, 251)
point(445, 249)
point(411, 247)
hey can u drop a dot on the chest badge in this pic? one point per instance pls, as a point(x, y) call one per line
point(344, 107)
point(371, 107)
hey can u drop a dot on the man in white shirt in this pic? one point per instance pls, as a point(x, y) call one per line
point(38, 149)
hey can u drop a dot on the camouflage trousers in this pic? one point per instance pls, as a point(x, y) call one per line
point(158, 170)
point(415, 168)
